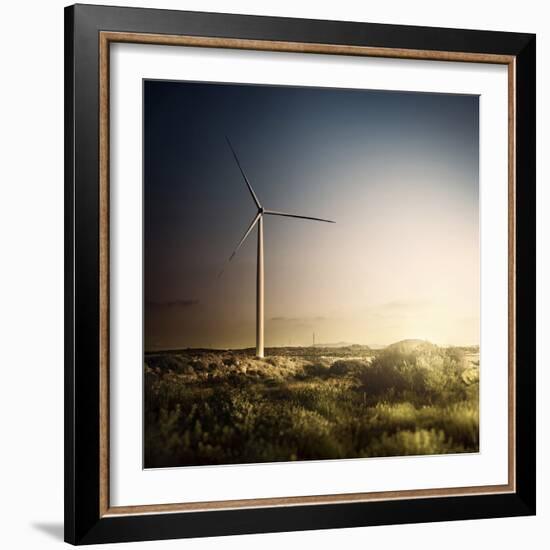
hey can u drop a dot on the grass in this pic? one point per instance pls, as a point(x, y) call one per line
point(204, 407)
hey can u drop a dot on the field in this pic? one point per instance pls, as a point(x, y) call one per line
point(227, 407)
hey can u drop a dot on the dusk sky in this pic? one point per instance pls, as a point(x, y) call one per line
point(397, 171)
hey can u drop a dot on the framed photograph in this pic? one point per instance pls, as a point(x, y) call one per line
point(300, 274)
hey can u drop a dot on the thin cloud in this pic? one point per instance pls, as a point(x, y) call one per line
point(280, 319)
point(404, 305)
point(189, 302)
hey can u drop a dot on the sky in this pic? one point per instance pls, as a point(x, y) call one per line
point(397, 171)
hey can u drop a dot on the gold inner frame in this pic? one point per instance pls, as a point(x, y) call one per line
point(105, 39)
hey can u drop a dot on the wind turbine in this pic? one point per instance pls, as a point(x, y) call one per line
point(259, 220)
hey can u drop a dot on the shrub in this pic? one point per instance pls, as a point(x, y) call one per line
point(316, 369)
point(348, 366)
point(406, 401)
point(198, 365)
point(428, 375)
point(403, 443)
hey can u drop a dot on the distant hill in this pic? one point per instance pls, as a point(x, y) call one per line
point(378, 346)
point(336, 345)
point(410, 345)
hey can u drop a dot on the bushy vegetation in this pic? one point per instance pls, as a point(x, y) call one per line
point(204, 407)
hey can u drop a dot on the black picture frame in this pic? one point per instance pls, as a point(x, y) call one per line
point(84, 523)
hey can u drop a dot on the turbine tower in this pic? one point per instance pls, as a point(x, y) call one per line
point(259, 220)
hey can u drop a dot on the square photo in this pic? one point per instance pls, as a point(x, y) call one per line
point(311, 273)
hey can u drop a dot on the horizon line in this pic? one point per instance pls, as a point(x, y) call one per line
point(321, 345)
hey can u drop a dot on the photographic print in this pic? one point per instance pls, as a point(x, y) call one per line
point(311, 273)
point(280, 235)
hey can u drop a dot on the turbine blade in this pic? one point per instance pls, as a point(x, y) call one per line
point(275, 213)
point(247, 232)
point(243, 174)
